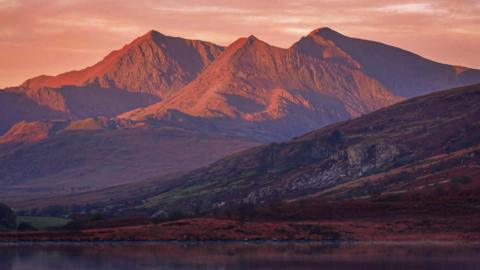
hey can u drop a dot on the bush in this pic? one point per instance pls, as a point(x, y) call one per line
point(8, 219)
point(440, 191)
point(336, 136)
point(96, 217)
point(461, 180)
point(24, 226)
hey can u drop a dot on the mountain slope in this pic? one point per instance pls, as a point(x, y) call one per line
point(402, 72)
point(276, 90)
point(68, 102)
point(66, 157)
point(383, 152)
point(16, 107)
point(153, 63)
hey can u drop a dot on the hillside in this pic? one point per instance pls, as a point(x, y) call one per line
point(421, 145)
point(69, 157)
point(420, 157)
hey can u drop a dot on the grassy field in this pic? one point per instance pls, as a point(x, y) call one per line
point(43, 223)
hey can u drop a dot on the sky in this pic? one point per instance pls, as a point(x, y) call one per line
point(49, 37)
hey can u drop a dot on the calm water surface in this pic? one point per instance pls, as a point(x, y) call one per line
point(359, 256)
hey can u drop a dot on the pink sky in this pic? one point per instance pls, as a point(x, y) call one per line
point(49, 37)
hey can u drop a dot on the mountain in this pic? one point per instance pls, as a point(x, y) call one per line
point(417, 150)
point(255, 89)
point(153, 63)
point(404, 73)
point(271, 94)
point(273, 91)
point(141, 73)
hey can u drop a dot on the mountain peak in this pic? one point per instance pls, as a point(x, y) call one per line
point(247, 40)
point(250, 42)
point(252, 38)
point(324, 32)
point(152, 35)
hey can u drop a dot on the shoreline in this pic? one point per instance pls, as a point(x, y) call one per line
point(219, 230)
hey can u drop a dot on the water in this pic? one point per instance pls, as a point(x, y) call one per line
point(358, 256)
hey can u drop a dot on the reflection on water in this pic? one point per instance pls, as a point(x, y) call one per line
point(371, 256)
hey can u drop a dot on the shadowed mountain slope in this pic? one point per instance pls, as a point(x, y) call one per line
point(69, 102)
point(67, 157)
point(404, 73)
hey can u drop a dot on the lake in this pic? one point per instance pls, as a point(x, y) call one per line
point(238, 255)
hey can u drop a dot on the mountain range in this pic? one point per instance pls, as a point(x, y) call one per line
point(164, 105)
point(326, 74)
point(141, 73)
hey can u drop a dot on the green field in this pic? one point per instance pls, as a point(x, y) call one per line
point(43, 223)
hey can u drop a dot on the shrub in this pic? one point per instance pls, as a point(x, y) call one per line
point(96, 217)
point(24, 226)
point(336, 136)
point(462, 180)
point(8, 219)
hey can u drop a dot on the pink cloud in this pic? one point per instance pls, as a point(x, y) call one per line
point(50, 36)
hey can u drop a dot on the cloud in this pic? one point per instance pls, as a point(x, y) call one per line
point(51, 36)
point(89, 23)
point(420, 8)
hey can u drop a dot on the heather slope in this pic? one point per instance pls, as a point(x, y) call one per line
point(66, 157)
point(417, 158)
point(406, 144)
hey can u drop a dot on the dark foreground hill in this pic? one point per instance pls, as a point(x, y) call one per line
point(424, 145)
point(422, 151)
point(407, 172)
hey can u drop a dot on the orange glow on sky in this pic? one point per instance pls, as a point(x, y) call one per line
point(49, 37)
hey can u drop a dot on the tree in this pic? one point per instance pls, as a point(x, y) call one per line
point(336, 137)
point(8, 219)
point(24, 226)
